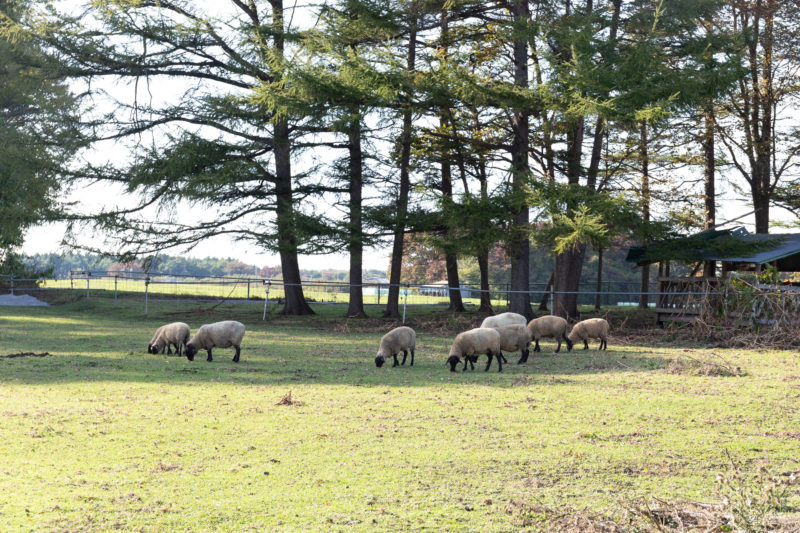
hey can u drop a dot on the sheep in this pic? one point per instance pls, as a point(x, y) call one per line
point(217, 335)
point(402, 339)
point(515, 337)
point(503, 319)
point(470, 344)
point(176, 334)
point(592, 328)
point(548, 326)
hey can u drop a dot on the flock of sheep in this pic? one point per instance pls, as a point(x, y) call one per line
point(217, 335)
point(506, 331)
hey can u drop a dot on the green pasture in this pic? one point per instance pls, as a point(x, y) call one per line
point(241, 290)
point(100, 436)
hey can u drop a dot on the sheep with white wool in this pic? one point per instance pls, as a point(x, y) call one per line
point(470, 344)
point(548, 326)
point(515, 338)
point(503, 319)
point(402, 339)
point(217, 335)
point(175, 334)
point(592, 328)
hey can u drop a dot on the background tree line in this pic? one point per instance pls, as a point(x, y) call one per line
point(558, 124)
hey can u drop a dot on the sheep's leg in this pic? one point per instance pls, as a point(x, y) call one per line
point(500, 359)
point(405, 354)
point(169, 349)
point(536, 347)
point(489, 362)
point(585, 345)
point(163, 348)
point(523, 356)
point(603, 344)
point(180, 349)
point(236, 355)
point(412, 358)
point(569, 342)
point(466, 360)
point(558, 348)
point(209, 355)
point(503, 357)
point(395, 360)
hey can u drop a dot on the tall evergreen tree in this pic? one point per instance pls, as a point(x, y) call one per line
point(38, 131)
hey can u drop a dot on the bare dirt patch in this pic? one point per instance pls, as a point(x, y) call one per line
point(713, 365)
point(25, 354)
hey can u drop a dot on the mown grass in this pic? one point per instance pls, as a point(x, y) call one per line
point(101, 436)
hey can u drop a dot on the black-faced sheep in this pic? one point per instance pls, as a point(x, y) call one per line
point(548, 326)
point(470, 344)
point(217, 335)
point(591, 328)
point(175, 334)
point(402, 339)
point(503, 319)
point(515, 338)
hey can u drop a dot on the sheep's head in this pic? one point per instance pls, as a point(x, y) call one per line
point(569, 344)
point(151, 349)
point(453, 361)
point(380, 359)
point(190, 350)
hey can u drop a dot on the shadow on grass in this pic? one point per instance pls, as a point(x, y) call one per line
point(308, 370)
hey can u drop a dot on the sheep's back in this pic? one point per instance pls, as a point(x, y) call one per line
point(503, 319)
point(398, 339)
point(478, 340)
point(513, 337)
point(547, 326)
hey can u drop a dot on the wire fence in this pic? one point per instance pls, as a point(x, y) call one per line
point(155, 287)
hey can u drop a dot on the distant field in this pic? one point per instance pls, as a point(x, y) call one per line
point(243, 290)
point(100, 436)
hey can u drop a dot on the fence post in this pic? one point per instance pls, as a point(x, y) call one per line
point(379, 294)
point(146, 294)
point(248, 288)
point(71, 288)
point(115, 288)
point(88, 275)
point(405, 302)
point(12, 285)
point(267, 283)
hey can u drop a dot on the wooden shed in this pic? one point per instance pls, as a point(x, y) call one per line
point(680, 299)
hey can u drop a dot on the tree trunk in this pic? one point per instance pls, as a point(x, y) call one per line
point(599, 278)
point(546, 295)
point(567, 282)
point(355, 309)
point(451, 258)
point(294, 302)
point(645, 160)
point(392, 302)
point(518, 241)
point(486, 296)
point(710, 267)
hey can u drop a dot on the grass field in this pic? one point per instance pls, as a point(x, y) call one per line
point(100, 436)
point(187, 288)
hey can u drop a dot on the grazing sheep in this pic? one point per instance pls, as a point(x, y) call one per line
point(592, 328)
point(402, 339)
point(503, 319)
point(548, 326)
point(176, 334)
point(470, 344)
point(515, 337)
point(217, 335)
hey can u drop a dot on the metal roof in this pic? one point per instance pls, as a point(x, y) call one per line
point(785, 251)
